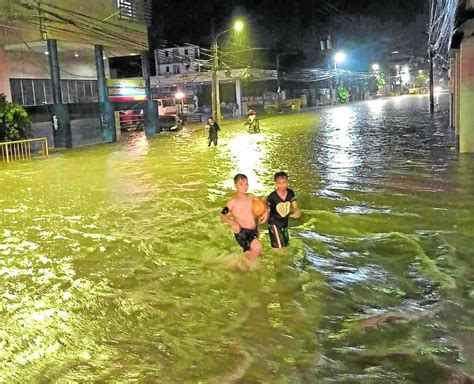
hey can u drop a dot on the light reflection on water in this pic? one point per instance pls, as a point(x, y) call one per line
point(113, 270)
point(247, 153)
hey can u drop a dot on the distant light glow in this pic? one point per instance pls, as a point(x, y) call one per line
point(375, 67)
point(179, 95)
point(405, 74)
point(248, 154)
point(395, 52)
point(238, 25)
point(339, 57)
point(438, 90)
point(46, 52)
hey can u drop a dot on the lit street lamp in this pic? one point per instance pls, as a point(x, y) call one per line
point(375, 67)
point(216, 106)
point(339, 57)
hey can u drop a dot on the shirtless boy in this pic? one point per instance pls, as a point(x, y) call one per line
point(239, 215)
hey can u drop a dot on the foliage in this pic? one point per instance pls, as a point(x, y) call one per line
point(380, 80)
point(421, 80)
point(342, 94)
point(14, 121)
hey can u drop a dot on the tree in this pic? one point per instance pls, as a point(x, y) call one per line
point(380, 80)
point(421, 80)
point(342, 94)
point(14, 121)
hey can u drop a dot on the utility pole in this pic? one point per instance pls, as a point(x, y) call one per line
point(431, 81)
point(278, 75)
point(216, 107)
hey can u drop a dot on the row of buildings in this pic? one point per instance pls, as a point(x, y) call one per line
point(75, 92)
point(119, 28)
point(462, 75)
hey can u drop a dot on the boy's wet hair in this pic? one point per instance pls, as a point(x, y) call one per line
point(280, 175)
point(239, 176)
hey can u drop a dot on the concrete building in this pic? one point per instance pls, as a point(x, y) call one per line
point(24, 69)
point(177, 60)
point(73, 30)
point(462, 76)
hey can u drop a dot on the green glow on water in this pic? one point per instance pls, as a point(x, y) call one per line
point(115, 267)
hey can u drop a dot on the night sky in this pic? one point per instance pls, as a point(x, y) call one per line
point(367, 30)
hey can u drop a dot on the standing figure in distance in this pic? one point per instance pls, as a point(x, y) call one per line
point(212, 127)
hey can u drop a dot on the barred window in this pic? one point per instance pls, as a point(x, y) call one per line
point(40, 92)
point(135, 10)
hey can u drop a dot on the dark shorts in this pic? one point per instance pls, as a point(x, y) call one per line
point(279, 237)
point(245, 237)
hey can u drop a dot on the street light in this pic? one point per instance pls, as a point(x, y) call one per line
point(339, 57)
point(375, 67)
point(216, 107)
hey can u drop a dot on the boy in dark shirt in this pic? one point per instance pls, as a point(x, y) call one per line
point(281, 205)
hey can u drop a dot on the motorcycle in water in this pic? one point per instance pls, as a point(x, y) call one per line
point(252, 124)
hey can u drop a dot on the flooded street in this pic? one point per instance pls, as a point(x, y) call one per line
point(113, 258)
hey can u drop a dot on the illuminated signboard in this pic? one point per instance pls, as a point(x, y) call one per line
point(126, 90)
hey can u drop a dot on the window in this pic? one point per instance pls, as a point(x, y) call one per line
point(135, 10)
point(186, 52)
point(39, 91)
point(176, 70)
point(167, 69)
point(167, 53)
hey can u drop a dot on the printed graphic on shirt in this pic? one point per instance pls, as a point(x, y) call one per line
point(283, 208)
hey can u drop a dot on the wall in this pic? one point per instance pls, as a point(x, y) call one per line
point(85, 123)
point(4, 75)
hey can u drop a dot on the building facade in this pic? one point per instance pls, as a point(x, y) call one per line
point(177, 60)
point(77, 25)
point(54, 59)
point(462, 76)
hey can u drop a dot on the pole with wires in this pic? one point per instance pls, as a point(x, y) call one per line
point(278, 75)
point(431, 81)
point(216, 107)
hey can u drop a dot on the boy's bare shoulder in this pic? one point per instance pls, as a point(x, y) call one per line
point(231, 202)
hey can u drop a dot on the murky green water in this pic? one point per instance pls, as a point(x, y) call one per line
point(114, 263)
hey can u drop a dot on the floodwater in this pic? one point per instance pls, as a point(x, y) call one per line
point(114, 265)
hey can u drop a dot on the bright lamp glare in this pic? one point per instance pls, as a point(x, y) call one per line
point(179, 95)
point(375, 67)
point(339, 57)
point(238, 26)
